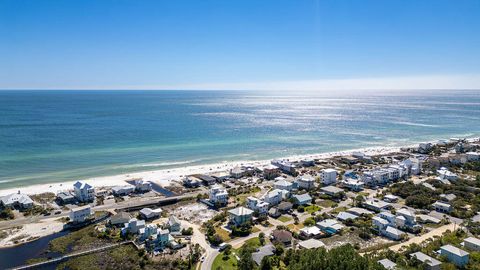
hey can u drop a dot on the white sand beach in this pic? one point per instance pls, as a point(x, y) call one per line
point(165, 176)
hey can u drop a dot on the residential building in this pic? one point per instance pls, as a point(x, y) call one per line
point(442, 207)
point(240, 215)
point(142, 186)
point(431, 263)
point(262, 252)
point(284, 165)
point(448, 197)
point(359, 211)
point(284, 207)
point(16, 200)
point(473, 156)
point(173, 224)
point(353, 184)
point(387, 264)
point(306, 182)
point(218, 195)
point(310, 244)
point(379, 223)
point(123, 190)
point(80, 214)
point(65, 197)
point(274, 212)
point(376, 205)
point(307, 162)
point(328, 176)
point(390, 198)
point(282, 236)
point(302, 199)
point(133, 226)
point(330, 226)
point(191, 182)
point(393, 233)
point(270, 172)
point(84, 192)
point(331, 190)
point(309, 232)
point(257, 205)
point(444, 173)
point(274, 197)
point(283, 185)
point(343, 216)
point(120, 219)
point(472, 243)
point(455, 255)
point(148, 213)
point(237, 172)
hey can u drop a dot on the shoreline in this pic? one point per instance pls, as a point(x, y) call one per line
point(164, 177)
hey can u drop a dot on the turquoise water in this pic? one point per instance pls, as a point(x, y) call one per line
point(53, 136)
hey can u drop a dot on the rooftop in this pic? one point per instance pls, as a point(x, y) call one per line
point(454, 250)
point(311, 243)
point(240, 211)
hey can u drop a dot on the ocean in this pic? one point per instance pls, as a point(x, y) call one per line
point(57, 136)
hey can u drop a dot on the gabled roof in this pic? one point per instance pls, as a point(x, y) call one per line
point(173, 220)
point(331, 189)
point(454, 250)
point(473, 240)
point(346, 215)
point(426, 259)
point(82, 185)
point(303, 197)
point(16, 198)
point(282, 235)
point(311, 243)
point(387, 264)
point(262, 252)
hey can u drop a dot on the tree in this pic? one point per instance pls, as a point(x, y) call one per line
point(279, 249)
point(261, 237)
point(309, 222)
point(266, 263)
point(359, 200)
point(246, 262)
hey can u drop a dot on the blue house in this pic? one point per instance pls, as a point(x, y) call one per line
point(302, 199)
point(455, 255)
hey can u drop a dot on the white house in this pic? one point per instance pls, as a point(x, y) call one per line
point(123, 190)
point(331, 190)
point(393, 233)
point(283, 184)
point(309, 232)
point(387, 264)
point(306, 182)
point(328, 176)
point(473, 156)
point(432, 264)
point(353, 184)
point(133, 226)
point(237, 172)
point(218, 195)
point(330, 226)
point(84, 192)
point(275, 196)
point(257, 205)
point(376, 205)
point(444, 173)
point(142, 186)
point(442, 207)
point(16, 200)
point(472, 243)
point(80, 214)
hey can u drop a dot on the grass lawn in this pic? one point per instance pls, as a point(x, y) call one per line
point(284, 219)
point(254, 242)
point(312, 208)
point(223, 234)
point(294, 227)
point(230, 264)
point(255, 229)
point(338, 210)
point(326, 203)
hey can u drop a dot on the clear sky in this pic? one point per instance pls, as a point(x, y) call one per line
point(230, 44)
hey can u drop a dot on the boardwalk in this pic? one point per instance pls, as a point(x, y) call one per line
point(72, 255)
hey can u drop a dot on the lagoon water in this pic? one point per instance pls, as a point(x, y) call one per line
point(55, 136)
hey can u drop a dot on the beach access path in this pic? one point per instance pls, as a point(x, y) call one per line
point(419, 239)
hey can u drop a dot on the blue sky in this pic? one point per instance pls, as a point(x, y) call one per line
point(112, 44)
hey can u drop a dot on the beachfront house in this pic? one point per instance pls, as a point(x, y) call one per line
point(149, 213)
point(173, 224)
point(16, 200)
point(64, 198)
point(142, 186)
point(284, 165)
point(328, 176)
point(240, 216)
point(306, 182)
point(431, 263)
point(237, 172)
point(307, 162)
point(80, 214)
point(270, 172)
point(191, 181)
point(123, 190)
point(473, 156)
point(257, 205)
point(442, 207)
point(302, 199)
point(83, 192)
point(218, 195)
point(455, 255)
